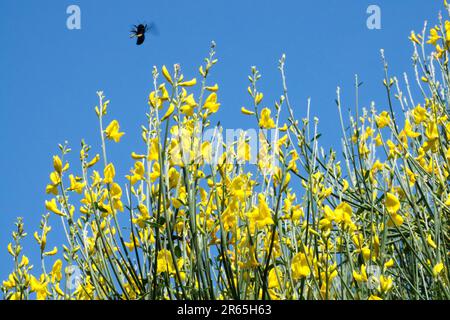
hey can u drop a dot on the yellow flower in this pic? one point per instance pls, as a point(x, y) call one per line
point(75, 184)
point(155, 172)
point(189, 83)
point(343, 214)
point(431, 131)
point(167, 75)
point(437, 269)
point(93, 161)
point(345, 185)
point(134, 242)
point(15, 296)
point(409, 131)
point(389, 263)
point(155, 100)
point(392, 204)
point(396, 219)
point(189, 106)
point(211, 103)
point(419, 114)
point(53, 207)
point(56, 274)
point(447, 32)
point(51, 188)
point(143, 217)
point(414, 38)
point(58, 290)
point(116, 194)
point(378, 140)
point(434, 36)
point(154, 149)
point(10, 249)
point(374, 297)
point(57, 164)
point(366, 253)
point(385, 283)
point(136, 156)
point(42, 241)
point(24, 261)
point(439, 52)
point(189, 99)
point(165, 262)
point(383, 119)
point(247, 112)
point(96, 178)
point(112, 131)
point(206, 151)
point(243, 150)
point(262, 214)
point(430, 242)
point(51, 252)
point(11, 282)
point(168, 112)
point(275, 278)
point(411, 177)
point(55, 178)
point(299, 266)
point(361, 276)
point(109, 172)
point(187, 110)
point(138, 173)
point(258, 98)
point(40, 287)
point(213, 88)
point(265, 121)
point(447, 202)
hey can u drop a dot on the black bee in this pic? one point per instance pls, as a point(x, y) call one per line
point(139, 32)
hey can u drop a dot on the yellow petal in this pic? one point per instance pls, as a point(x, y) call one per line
point(189, 83)
point(166, 75)
point(213, 88)
point(258, 98)
point(392, 204)
point(53, 207)
point(52, 252)
point(437, 269)
point(168, 112)
point(136, 156)
point(57, 164)
point(10, 250)
point(430, 242)
point(247, 112)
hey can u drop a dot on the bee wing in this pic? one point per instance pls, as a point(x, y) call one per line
point(153, 29)
point(133, 31)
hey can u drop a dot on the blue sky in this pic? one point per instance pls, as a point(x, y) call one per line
point(49, 74)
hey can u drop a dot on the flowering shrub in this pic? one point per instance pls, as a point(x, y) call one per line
point(269, 215)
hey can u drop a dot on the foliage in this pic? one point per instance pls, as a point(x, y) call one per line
point(267, 217)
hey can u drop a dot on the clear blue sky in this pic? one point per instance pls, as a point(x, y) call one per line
point(49, 74)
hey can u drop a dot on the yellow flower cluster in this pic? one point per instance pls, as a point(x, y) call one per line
point(191, 222)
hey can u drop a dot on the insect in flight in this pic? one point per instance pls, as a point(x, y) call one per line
point(139, 32)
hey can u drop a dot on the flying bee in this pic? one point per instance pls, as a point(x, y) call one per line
point(139, 32)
